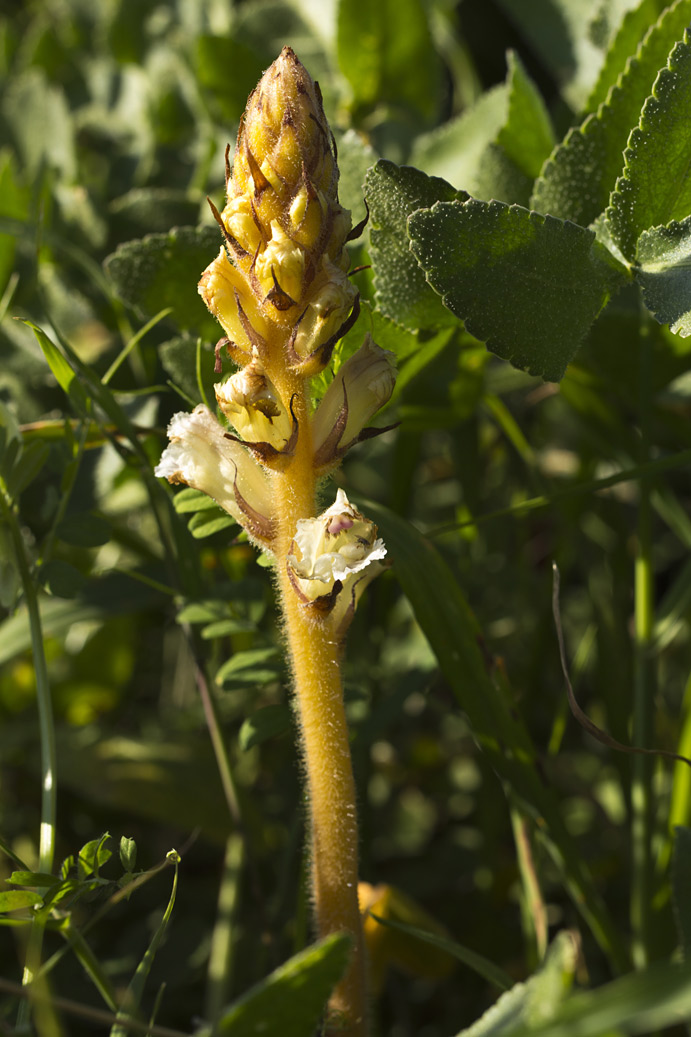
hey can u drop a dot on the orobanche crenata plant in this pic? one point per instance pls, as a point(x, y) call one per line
point(280, 290)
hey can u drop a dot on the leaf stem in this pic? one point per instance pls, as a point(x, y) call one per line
point(644, 680)
point(47, 741)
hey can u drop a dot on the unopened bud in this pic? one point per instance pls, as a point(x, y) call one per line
point(361, 386)
point(252, 405)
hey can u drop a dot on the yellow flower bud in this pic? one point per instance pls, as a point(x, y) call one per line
point(254, 408)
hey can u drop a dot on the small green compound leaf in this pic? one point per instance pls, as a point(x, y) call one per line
point(655, 187)
point(402, 293)
point(663, 258)
point(18, 899)
point(264, 724)
point(290, 1002)
point(128, 853)
point(528, 285)
point(577, 180)
point(162, 270)
point(256, 666)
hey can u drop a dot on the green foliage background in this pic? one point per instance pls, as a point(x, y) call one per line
point(113, 121)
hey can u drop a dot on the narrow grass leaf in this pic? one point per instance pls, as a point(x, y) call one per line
point(663, 270)
point(579, 177)
point(290, 1002)
point(530, 286)
point(681, 887)
point(479, 964)
point(655, 187)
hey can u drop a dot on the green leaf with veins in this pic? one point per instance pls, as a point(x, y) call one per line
point(655, 187)
point(578, 178)
point(401, 290)
point(528, 285)
point(663, 258)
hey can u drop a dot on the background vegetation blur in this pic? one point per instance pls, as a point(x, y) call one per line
point(114, 118)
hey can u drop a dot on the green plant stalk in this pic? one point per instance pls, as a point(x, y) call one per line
point(644, 685)
point(315, 656)
point(47, 741)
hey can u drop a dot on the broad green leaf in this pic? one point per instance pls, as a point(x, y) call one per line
point(681, 886)
point(641, 1003)
point(497, 148)
point(401, 291)
point(579, 177)
point(257, 666)
point(264, 724)
point(33, 878)
point(655, 187)
point(163, 270)
point(528, 285)
point(560, 32)
point(84, 530)
point(385, 52)
point(632, 28)
point(663, 270)
point(290, 1002)
point(61, 579)
point(537, 999)
point(19, 899)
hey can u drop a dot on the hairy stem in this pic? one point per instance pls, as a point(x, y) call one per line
point(315, 658)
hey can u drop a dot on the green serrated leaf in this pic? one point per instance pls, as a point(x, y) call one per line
point(257, 666)
point(632, 28)
point(385, 52)
point(681, 886)
point(577, 180)
point(290, 1002)
point(19, 899)
point(655, 187)
point(536, 1000)
point(663, 270)
point(264, 724)
point(162, 270)
point(526, 136)
point(206, 523)
point(401, 291)
point(528, 285)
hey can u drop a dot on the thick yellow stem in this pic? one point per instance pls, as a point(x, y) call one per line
point(315, 656)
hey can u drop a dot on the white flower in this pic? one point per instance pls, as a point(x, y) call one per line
point(200, 455)
point(361, 386)
point(334, 554)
